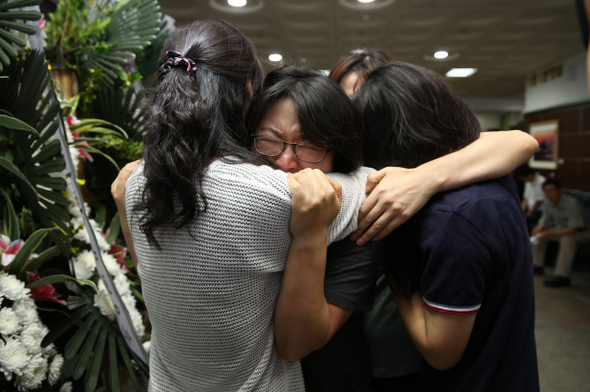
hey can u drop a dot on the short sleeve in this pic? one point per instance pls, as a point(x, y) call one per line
point(351, 273)
point(455, 260)
point(353, 195)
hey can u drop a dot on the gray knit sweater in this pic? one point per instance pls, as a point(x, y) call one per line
point(211, 297)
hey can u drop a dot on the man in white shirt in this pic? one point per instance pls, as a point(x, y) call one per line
point(534, 197)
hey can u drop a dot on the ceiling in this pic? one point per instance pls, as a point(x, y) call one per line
point(504, 39)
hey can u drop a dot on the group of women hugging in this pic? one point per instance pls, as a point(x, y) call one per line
point(269, 215)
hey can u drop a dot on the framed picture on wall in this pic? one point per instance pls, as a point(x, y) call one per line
point(547, 135)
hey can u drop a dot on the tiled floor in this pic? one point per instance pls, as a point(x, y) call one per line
point(563, 334)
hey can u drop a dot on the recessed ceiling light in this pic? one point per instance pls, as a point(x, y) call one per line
point(275, 57)
point(461, 72)
point(441, 54)
point(365, 5)
point(237, 3)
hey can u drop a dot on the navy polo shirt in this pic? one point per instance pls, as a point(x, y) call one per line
point(473, 248)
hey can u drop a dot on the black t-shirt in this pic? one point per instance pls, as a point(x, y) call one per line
point(475, 256)
point(344, 363)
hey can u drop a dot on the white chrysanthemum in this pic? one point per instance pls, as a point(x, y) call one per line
point(84, 265)
point(50, 350)
point(12, 288)
point(111, 264)
point(122, 284)
point(8, 322)
point(73, 208)
point(55, 369)
point(82, 233)
point(67, 387)
point(103, 302)
point(26, 310)
point(137, 320)
point(146, 346)
point(13, 357)
point(34, 374)
point(32, 336)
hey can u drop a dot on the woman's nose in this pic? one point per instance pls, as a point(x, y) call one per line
point(288, 161)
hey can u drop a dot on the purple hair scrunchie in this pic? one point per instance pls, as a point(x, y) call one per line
point(176, 59)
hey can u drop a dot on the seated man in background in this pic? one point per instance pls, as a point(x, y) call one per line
point(564, 220)
point(532, 201)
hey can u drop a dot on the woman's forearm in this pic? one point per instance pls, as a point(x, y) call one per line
point(302, 316)
point(493, 155)
point(118, 193)
point(304, 320)
point(127, 235)
point(441, 338)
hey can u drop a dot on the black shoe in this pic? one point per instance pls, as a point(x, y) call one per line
point(538, 270)
point(558, 281)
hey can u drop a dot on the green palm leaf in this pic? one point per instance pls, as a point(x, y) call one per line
point(24, 254)
point(132, 28)
point(11, 227)
point(65, 326)
point(113, 365)
point(91, 378)
point(28, 96)
point(16, 124)
point(9, 13)
point(121, 107)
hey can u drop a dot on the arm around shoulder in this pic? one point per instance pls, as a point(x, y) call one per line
point(397, 194)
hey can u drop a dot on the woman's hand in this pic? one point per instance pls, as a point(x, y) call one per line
point(316, 202)
point(396, 195)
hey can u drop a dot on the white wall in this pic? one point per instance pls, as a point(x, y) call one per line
point(497, 119)
point(560, 84)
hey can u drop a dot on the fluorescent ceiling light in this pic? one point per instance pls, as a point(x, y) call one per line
point(237, 3)
point(461, 72)
point(366, 1)
point(275, 57)
point(441, 54)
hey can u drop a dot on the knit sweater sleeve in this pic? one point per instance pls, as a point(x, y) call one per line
point(353, 195)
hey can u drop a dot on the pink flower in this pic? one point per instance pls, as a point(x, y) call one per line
point(72, 120)
point(43, 293)
point(119, 253)
point(83, 153)
point(9, 249)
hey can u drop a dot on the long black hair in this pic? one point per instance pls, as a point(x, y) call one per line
point(412, 116)
point(193, 117)
point(326, 115)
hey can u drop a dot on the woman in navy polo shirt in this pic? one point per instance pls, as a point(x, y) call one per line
point(461, 268)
